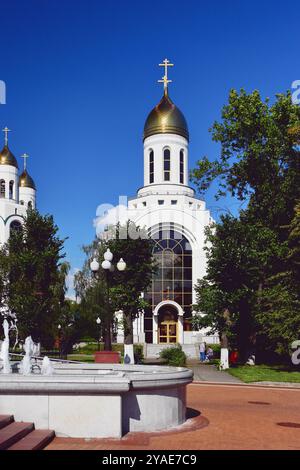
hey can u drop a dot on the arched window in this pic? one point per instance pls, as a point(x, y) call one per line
point(2, 188)
point(167, 164)
point(151, 166)
point(181, 166)
point(22, 203)
point(15, 226)
point(11, 190)
point(30, 205)
point(173, 279)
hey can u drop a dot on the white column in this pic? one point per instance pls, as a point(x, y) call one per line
point(120, 328)
point(180, 329)
point(142, 322)
point(155, 329)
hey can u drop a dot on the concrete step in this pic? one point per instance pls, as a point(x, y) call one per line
point(13, 432)
point(191, 350)
point(35, 440)
point(153, 350)
point(5, 420)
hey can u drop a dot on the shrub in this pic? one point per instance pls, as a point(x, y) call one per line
point(138, 353)
point(174, 356)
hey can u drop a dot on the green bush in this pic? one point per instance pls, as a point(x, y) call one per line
point(174, 356)
point(138, 353)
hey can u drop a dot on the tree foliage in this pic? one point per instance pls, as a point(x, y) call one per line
point(125, 288)
point(35, 277)
point(253, 259)
point(136, 249)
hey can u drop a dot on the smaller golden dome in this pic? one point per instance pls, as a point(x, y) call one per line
point(7, 158)
point(25, 181)
point(166, 118)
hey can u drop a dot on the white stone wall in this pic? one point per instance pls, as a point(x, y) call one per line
point(158, 143)
point(11, 209)
point(162, 203)
point(10, 173)
point(27, 195)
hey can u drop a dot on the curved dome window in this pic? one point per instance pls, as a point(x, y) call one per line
point(167, 164)
point(2, 188)
point(151, 166)
point(15, 226)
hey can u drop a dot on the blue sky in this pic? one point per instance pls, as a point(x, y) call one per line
point(81, 78)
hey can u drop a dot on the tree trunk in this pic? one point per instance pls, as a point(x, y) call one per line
point(224, 340)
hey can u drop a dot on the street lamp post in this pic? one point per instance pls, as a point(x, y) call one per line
point(98, 321)
point(108, 267)
point(59, 340)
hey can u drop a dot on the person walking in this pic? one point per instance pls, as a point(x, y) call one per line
point(202, 349)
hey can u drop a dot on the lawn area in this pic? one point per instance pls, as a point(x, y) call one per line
point(81, 357)
point(263, 373)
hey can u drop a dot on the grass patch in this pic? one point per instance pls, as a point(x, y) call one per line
point(264, 373)
point(81, 357)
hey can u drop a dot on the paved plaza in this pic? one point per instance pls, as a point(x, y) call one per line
point(228, 416)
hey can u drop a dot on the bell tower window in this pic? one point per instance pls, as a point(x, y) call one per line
point(2, 188)
point(151, 167)
point(181, 167)
point(167, 164)
point(11, 190)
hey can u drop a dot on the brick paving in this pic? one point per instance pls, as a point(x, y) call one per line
point(221, 417)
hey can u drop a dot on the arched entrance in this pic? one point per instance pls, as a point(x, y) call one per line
point(167, 324)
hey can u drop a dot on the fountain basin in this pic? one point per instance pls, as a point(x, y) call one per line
point(98, 400)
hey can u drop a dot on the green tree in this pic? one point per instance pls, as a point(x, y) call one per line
point(259, 160)
point(279, 316)
point(111, 291)
point(249, 257)
point(239, 257)
point(36, 277)
point(127, 286)
point(94, 296)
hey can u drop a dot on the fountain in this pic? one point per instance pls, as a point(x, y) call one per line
point(4, 353)
point(92, 400)
point(25, 366)
point(47, 367)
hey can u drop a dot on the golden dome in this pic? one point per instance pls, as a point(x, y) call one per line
point(7, 158)
point(25, 181)
point(166, 118)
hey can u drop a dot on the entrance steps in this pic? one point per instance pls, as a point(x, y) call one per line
point(152, 350)
point(22, 436)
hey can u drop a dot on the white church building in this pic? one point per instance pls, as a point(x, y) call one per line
point(17, 191)
point(176, 219)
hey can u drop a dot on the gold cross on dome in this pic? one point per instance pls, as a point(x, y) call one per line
point(166, 63)
point(25, 156)
point(6, 131)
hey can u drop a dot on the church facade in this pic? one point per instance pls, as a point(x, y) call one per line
point(176, 220)
point(17, 191)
